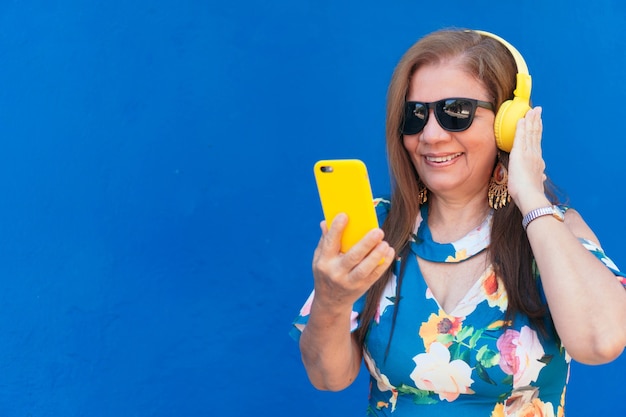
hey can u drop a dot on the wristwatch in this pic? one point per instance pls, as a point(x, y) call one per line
point(555, 211)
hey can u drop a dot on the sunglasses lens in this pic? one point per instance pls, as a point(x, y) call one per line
point(415, 115)
point(455, 114)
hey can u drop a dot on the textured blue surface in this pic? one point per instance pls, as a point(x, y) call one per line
point(159, 211)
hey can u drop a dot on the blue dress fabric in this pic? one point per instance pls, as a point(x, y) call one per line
point(468, 361)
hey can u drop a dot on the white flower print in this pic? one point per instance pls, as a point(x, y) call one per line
point(435, 372)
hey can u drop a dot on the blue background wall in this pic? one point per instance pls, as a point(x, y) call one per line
point(158, 207)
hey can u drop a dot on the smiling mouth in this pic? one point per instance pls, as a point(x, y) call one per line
point(440, 159)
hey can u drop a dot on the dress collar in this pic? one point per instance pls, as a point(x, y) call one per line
point(473, 243)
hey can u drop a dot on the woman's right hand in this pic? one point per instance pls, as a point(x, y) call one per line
point(342, 278)
point(331, 356)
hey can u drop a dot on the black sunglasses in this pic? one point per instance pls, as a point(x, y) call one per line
point(453, 114)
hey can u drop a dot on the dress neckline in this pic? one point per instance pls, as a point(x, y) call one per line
point(470, 245)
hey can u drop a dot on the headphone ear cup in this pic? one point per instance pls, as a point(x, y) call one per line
point(505, 124)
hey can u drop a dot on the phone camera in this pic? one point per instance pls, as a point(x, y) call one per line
point(326, 168)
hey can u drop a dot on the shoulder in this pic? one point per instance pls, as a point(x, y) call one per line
point(382, 206)
point(577, 225)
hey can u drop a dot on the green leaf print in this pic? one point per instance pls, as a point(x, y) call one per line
point(464, 333)
point(474, 338)
point(455, 351)
point(482, 373)
point(508, 380)
point(420, 396)
point(465, 356)
point(487, 357)
point(424, 400)
point(546, 359)
point(405, 389)
point(444, 339)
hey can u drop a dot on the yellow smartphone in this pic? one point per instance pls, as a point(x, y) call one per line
point(344, 187)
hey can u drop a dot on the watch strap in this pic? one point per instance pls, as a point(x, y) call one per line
point(542, 211)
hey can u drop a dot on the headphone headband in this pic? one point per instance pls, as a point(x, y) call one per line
point(511, 110)
point(522, 68)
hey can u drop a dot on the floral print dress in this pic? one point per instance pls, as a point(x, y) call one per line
point(465, 362)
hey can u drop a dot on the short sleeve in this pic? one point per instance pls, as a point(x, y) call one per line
point(382, 209)
point(599, 253)
point(301, 321)
point(382, 206)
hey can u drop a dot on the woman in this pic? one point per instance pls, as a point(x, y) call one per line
point(455, 306)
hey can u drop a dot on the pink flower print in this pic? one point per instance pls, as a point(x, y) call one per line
point(354, 321)
point(306, 308)
point(520, 354)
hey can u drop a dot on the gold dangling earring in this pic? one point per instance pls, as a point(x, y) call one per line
point(423, 192)
point(498, 194)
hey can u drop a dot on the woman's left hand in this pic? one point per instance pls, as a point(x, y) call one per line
point(526, 164)
point(583, 294)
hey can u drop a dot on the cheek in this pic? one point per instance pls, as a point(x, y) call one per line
point(481, 140)
point(486, 159)
point(482, 153)
point(410, 143)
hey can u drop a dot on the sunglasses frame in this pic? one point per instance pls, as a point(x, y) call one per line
point(437, 107)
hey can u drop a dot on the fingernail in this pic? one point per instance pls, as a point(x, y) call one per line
point(341, 218)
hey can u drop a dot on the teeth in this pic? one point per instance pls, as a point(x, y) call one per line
point(442, 158)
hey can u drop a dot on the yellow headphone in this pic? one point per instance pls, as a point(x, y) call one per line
point(512, 110)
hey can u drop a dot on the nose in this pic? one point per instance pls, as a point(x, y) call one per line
point(433, 131)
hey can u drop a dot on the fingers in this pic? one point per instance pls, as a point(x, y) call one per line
point(366, 261)
point(360, 250)
point(330, 242)
point(534, 131)
point(356, 270)
point(324, 227)
point(374, 264)
point(534, 128)
point(529, 131)
point(526, 164)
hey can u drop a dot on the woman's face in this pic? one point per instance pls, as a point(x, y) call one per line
point(452, 164)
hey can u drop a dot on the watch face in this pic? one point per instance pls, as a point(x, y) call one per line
point(558, 213)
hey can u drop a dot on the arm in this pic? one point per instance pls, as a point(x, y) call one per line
point(587, 302)
point(331, 355)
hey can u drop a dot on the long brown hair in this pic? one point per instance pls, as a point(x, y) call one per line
point(491, 64)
